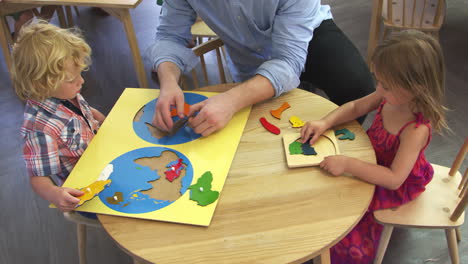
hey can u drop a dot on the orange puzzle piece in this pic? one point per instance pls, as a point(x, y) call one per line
point(186, 110)
point(277, 113)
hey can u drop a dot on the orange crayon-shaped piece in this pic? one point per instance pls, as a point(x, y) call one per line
point(277, 113)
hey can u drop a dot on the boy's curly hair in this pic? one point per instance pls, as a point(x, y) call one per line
point(39, 57)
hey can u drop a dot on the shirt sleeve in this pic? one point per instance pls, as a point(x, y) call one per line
point(292, 31)
point(41, 154)
point(173, 35)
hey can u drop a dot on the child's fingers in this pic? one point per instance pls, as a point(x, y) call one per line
point(314, 138)
point(74, 192)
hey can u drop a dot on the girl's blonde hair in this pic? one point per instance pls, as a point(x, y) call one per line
point(39, 57)
point(414, 61)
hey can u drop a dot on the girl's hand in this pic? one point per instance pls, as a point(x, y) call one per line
point(214, 114)
point(335, 165)
point(168, 96)
point(65, 198)
point(313, 129)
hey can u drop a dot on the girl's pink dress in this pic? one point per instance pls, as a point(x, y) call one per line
point(360, 245)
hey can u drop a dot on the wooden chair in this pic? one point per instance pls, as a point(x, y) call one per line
point(82, 223)
point(200, 30)
point(396, 15)
point(441, 206)
point(212, 44)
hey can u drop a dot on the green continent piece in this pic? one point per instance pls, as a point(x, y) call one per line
point(201, 191)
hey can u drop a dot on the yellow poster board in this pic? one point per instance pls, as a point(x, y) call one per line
point(143, 174)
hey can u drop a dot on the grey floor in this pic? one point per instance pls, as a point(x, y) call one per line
point(30, 232)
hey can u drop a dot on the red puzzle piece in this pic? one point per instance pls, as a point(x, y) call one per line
point(270, 127)
point(174, 171)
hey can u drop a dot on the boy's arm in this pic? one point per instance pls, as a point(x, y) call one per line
point(98, 115)
point(62, 197)
point(412, 140)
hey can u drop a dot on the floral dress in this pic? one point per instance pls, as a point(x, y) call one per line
point(361, 244)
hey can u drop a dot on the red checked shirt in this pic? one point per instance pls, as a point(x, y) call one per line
point(55, 137)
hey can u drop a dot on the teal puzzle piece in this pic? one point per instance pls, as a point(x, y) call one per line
point(346, 134)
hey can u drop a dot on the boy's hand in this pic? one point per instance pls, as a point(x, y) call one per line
point(169, 96)
point(65, 198)
point(313, 129)
point(335, 165)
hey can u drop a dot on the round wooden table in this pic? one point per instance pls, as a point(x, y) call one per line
point(266, 213)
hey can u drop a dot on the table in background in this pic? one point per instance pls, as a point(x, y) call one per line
point(117, 8)
point(266, 213)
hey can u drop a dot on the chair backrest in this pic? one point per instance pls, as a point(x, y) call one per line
point(424, 15)
point(463, 186)
point(212, 44)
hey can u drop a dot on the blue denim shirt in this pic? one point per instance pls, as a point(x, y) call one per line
point(265, 37)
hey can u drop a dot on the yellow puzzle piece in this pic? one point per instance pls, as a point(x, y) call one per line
point(296, 121)
point(92, 190)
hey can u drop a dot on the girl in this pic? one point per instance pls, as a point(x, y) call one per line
point(410, 76)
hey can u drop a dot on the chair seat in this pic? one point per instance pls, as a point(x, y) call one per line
point(79, 219)
point(432, 209)
point(200, 29)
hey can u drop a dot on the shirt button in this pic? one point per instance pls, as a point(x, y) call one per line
point(259, 49)
point(238, 17)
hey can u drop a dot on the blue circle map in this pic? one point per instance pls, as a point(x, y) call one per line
point(131, 177)
point(183, 135)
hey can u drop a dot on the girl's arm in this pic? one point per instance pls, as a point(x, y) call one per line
point(353, 109)
point(62, 197)
point(98, 115)
point(412, 140)
point(342, 114)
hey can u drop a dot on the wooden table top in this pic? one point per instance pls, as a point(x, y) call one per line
point(267, 213)
point(94, 3)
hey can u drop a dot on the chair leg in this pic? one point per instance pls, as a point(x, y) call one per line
point(452, 245)
point(81, 235)
point(458, 233)
point(384, 239)
point(69, 13)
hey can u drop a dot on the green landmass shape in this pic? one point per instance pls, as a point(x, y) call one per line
point(295, 148)
point(201, 191)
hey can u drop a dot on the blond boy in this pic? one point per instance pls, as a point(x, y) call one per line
point(58, 123)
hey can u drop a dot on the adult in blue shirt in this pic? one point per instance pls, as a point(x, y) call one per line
point(272, 46)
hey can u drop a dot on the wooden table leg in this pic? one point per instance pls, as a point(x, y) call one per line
point(123, 15)
point(325, 257)
point(4, 42)
point(374, 28)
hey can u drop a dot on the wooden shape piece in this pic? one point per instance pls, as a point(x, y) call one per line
point(277, 112)
point(326, 145)
point(92, 190)
point(296, 121)
point(186, 110)
point(307, 149)
point(270, 127)
point(201, 191)
point(346, 134)
point(295, 148)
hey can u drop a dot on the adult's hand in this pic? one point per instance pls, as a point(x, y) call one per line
point(170, 95)
point(213, 114)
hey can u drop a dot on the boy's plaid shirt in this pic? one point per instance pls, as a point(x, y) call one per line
point(55, 137)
